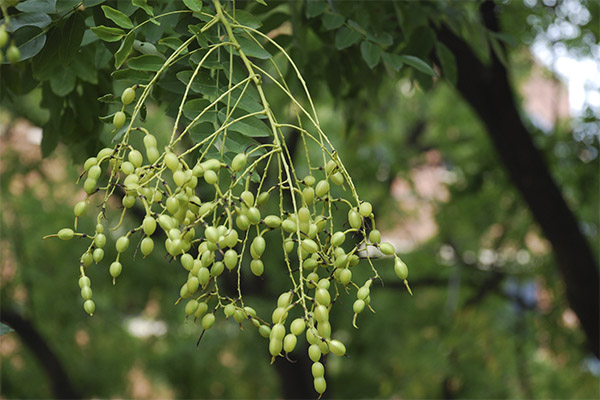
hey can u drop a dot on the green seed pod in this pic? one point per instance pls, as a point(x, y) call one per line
point(400, 268)
point(272, 221)
point(66, 234)
point(354, 219)
point(128, 96)
point(289, 342)
point(119, 119)
point(258, 247)
point(289, 226)
point(264, 331)
point(288, 245)
point(337, 178)
point(314, 352)
point(122, 244)
point(310, 263)
point(279, 314)
point(149, 225)
point(231, 239)
point(228, 310)
point(187, 261)
point(358, 306)
point(311, 279)
point(324, 284)
point(253, 215)
point(211, 177)
point(98, 255)
point(191, 307)
point(208, 321)
point(89, 185)
point(277, 332)
point(320, 385)
point(135, 158)
point(128, 201)
point(312, 336)
point(171, 161)
point(100, 240)
point(309, 180)
point(238, 316)
point(337, 347)
point(230, 259)
point(239, 162)
point(387, 248)
point(211, 234)
point(89, 163)
point(310, 246)
point(321, 313)
point(80, 208)
point(115, 269)
point(203, 276)
point(149, 141)
point(318, 370)
point(201, 310)
point(211, 164)
point(285, 299)
point(242, 222)
point(322, 296)
point(89, 306)
point(375, 236)
point(345, 276)
point(304, 214)
point(338, 238)
point(330, 167)
point(179, 178)
point(322, 188)
point(3, 36)
point(104, 153)
point(84, 281)
point(257, 267)
point(365, 209)
point(152, 154)
point(324, 329)
point(217, 269)
point(275, 347)
point(86, 292)
point(297, 326)
point(309, 195)
point(247, 198)
point(362, 293)
point(192, 284)
point(262, 198)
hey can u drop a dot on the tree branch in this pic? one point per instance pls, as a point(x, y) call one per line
point(487, 89)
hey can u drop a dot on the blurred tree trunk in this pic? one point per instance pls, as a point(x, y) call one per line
point(487, 89)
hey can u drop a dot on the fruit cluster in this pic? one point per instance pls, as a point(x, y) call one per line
point(212, 213)
point(12, 52)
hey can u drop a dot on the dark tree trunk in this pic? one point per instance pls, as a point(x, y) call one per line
point(487, 89)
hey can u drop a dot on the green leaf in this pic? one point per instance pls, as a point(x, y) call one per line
point(203, 83)
point(201, 131)
point(144, 6)
point(107, 33)
point(332, 21)
point(252, 49)
point(62, 81)
point(246, 102)
point(83, 66)
point(40, 20)
point(262, 2)
point(238, 143)
point(314, 8)
point(249, 126)
point(130, 75)
point(4, 329)
point(371, 53)
point(117, 17)
point(173, 43)
point(125, 49)
point(40, 6)
point(44, 63)
point(50, 138)
point(194, 107)
point(109, 98)
point(147, 48)
point(346, 37)
point(247, 19)
point(448, 62)
point(146, 62)
point(506, 38)
point(393, 60)
point(72, 36)
point(30, 40)
point(418, 64)
point(194, 5)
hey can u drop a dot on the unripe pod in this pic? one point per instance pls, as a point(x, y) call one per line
point(279, 314)
point(345, 276)
point(80, 208)
point(309, 180)
point(400, 268)
point(337, 347)
point(210, 177)
point(337, 178)
point(318, 370)
point(127, 168)
point(119, 119)
point(277, 332)
point(362, 293)
point(309, 195)
point(228, 310)
point(289, 342)
point(135, 158)
point(211, 234)
point(89, 163)
point(322, 296)
point(262, 198)
point(375, 236)
point(322, 188)
point(238, 316)
point(149, 141)
point(149, 225)
point(321, 313)
point(320, 385)
point(89, 185)
point(147, 246)
point(152, 154)
point(179, 178)
point(324, 329)
point(264, 331)
point(272, 221)
point(239, 162)
point(275, 347)
point(297, 326)
point(115, 269)
point(128, 96)
point(211, 164)
point(358, 306)
point(86, 292)
point(289, 226)
point(98, 255)
point(192, 284)
point(258, 247)
point(191, 307)
point(122, 244)
point(365, 209)
point(89, 306)
point(171, 161)
point(314, 352)
point(217, 269)
point(338, 239)
point(354, 219)
point(203, 276)
point(387, 248)
point(253, 215)
point(330, 166)
point(310, 246)
point(285, 299)
point(100, 240)
point(303, 214)
point(257, 267)
point(66, 234)
point(208, 321)
point(242, 222)
point(3, 36)
point(231, 239)
point(230, 259)
point(84, 281)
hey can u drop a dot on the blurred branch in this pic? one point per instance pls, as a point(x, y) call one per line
point(62, 386)
point(488, 90)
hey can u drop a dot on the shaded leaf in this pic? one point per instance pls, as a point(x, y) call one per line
point(40, 20)
point(201, 131)
point(44, 63)
point(418, 64)
point(448, 62)
point(247, 19)
point(30, 40)
point(252, 49)
point(202, 83)
point(238, 143)
point(107, 33)
point(72, 36)
point(194, 5)
point(125, 49)
point(39, 6)
point(393, 60)
point(371, 53)
point(332, 21)
point(194, 107)
point(62, 81)
point(249, 126)
point(117, 17)
point(143, 4)
point(146, 62)
point(131, 75)
point(314, 8)
point(346, 37)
